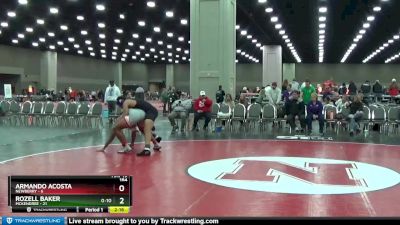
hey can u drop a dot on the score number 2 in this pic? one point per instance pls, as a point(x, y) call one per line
point(121, 188)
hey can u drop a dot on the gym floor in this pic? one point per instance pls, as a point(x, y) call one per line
point(209, 174)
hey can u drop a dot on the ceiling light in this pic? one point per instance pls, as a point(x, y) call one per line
point(51, 34)
point(170, 34)
point(103, 56)
point(117, 41)
point(323, 9)
point(88, 42)
point(322, 32)
point(23, 2)
point(102, 36)
point(147, 55)
point(40, 21)
point(262, 1)
point(184, 21)
point(362, 31)
point(181, 38)
point(366, 25)
point(157, 29)
point(322, 25)
point(80, 18)
point(160, 42)
point(371, 18)
point(122, 16)
point(92, 54)
point(396, 37)
point(84, 32)
point(137, 53)
point(186, 51)
point(66, 49)
point(29, 29)
point(377, 8)
point(80, 52)
point(142, 23)
point(52, 47)
point(162, 52)
point(285, 37)
point(53, 10)
point(11, 14)
point(282, 32)
point(63, 27)
point(114, 53)
point(148, 40)
point(278, 26)
point(274, 19)
point(101, 25)
point(115, 48)
point(243, 32)
point(152, 50)
point(35, 44)
point(170, 54)
point(60, 43)
point(151, 4)
point(100, 7)
point(130, 44)
point(15, 41)
point(142, 47)
point(76, 46)
point(269, 10)
point(120, 31)
point(90, 48)
point(322, 19)
point(134, 57)
point(21, 36)
point(42, 39)
point(169, 46)
point(178, 49)
point(136, 36)
point(103, 44)
point(169, 14)
point(114, 58)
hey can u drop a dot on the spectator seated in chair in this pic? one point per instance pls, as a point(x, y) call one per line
point(356, 113)
point(202, 108)
point(314, 112)
point(180, 110)
point(294, 109)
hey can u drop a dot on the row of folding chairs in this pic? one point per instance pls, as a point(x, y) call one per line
point(255, 114)
point(51, 114)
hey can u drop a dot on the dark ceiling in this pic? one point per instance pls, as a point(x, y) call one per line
point(298, 18)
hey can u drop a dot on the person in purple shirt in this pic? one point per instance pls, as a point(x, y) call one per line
point(314, 112)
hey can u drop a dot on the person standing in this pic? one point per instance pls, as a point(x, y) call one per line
point(306, 92)
point(220, 95)
point(110, 97)
point(202, 108)
point(274, 94)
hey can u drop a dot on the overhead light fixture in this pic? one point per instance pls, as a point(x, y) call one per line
point(51, 34)
point(169, 14)
point(322, 25)
point(23, 2)
point(269, 10)
point(160, 42)
point(35, 44)
point(103, 44)
point(170, 34)
point(52, 47)
point(130, 44)
point(4, 24)
point(101, 25)
point(136, 36)
point(76, 46)
point(84, 32)
point(142, 23)
point(371, 18)
point(322, 18)
point(64, 27)
point(274, 19)
point(366, 25)
point(184, 21)
point(40, 21)
point(149, 40)
point(157, 29)
point(80, 18)
point(127, 50)
point(80, 52)
point(60, 43)
point(151, 4)
point(66, 49)
point(120, 31)
point(21, 36)
point(142, 47)
point(88, 42)
point(243, 32)
point(115, 48)
point(92, 54)
point(102, 36)
point(181, 39)
point(90, 48)
point(323, 9)
point(11, 14)
point(117, 41)
point(29, 29)
point(100, 7)
point(377, 8)
point(262, 1)
point(42, 39)
point(278, 26)
point(53, 10)
point(282, 32)
point(122, 16)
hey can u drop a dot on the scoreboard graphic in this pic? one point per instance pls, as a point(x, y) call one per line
point(87, 194)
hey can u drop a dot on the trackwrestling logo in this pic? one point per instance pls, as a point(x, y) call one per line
point(295, 175)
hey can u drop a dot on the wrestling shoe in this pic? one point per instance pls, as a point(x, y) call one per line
point(145, 152)
point(125, 149)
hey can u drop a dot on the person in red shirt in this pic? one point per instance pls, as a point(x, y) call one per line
point(202, 108)
point(394, 89)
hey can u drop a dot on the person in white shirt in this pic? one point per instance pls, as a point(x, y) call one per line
point(295, 85)
point(110, 97)
point(274, 94)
